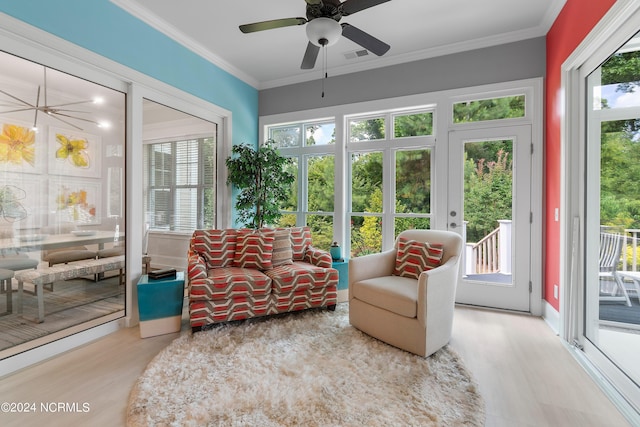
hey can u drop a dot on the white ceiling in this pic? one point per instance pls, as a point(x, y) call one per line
point(415, 29)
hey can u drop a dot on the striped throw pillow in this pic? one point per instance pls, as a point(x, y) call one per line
point(254, 249)
point(414, 257)
point(282, 251)
point(300, 241)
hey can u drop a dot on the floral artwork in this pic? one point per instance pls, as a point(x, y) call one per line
point(21, 201)
point(74, 153)
point(11, 208)
point(17, 145)
point(19, 148)
point(75, 202)
point(73, 150)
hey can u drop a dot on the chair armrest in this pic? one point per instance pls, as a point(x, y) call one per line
point(437, 290)
point(196, 267)
point(370, 266)
point(318, 257)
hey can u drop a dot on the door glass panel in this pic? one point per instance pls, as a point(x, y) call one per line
point(488, 207)
point(62, 175)
point(612, 315)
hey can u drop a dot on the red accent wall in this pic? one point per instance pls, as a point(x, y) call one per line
point(575, 21)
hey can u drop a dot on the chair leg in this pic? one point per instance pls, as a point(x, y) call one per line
point(622, 288)
point(6, 284)
point(40, 295)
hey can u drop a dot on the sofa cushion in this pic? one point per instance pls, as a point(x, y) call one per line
point(300, 276)
point(413, 257)
point(216, 247)
point(282, 252)
point(230, 282)
point(392, 293)
point(300, 241)
point(226, 310)
point(254, 249)
point(65, 256)
point(301, 300)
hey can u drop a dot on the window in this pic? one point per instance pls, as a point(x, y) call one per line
point(180, 182)
point(489, 109)
point(312, 194)
point(379, 207)
point(375, 209)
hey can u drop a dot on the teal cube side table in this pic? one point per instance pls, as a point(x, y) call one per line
point(343, 274)
point(160, 305)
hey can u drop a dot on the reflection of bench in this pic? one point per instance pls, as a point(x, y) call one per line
point(48, 275)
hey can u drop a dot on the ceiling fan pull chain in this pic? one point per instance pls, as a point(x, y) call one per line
point(324, 66)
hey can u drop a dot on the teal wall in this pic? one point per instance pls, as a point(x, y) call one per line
point(104, 28)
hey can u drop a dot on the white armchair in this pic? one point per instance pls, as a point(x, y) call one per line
point(414, 315)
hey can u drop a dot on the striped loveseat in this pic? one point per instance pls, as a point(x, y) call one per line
point(236, 274)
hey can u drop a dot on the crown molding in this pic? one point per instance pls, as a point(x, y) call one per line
point(365, 64)
point(552, 13)
point(173, 33)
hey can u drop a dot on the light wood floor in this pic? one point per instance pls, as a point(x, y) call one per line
point(525, 375)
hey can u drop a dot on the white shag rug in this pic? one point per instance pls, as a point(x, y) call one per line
point(302, 369)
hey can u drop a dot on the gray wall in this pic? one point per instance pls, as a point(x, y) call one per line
point(507, 62)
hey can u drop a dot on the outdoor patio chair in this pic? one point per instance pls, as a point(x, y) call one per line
point(610, 250)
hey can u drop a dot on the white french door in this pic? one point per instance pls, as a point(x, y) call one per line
point(489, 204)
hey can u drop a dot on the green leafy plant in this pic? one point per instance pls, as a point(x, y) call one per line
point(263, 178)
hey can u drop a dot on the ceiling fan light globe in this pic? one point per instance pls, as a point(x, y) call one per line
point(323, 31)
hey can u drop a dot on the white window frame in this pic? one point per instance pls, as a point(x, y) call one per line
point(388, 146)
point(200, 187)
point(301, 153)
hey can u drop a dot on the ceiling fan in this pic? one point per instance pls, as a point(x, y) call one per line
point(324, 29)
point(57, 111)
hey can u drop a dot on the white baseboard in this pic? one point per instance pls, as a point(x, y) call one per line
point(551, 316)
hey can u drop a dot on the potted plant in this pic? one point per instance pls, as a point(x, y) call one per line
point(262, 177)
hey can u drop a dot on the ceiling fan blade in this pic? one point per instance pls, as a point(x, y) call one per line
point(365, 40)
point(17, 99)
point(310, 56)
point(352, 6)
point(314, 2)
point(55, 116)
point(269, 25)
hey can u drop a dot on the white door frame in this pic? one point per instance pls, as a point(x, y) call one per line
point(516, 295)
point(613, 30)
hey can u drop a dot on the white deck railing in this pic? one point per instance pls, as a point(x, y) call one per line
point(630, 248)
point(492, 254)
